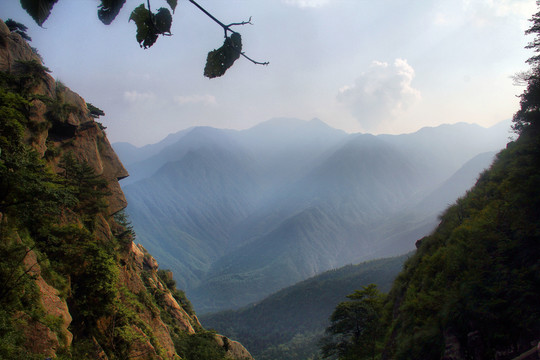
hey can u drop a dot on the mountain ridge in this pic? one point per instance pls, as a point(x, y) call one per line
point(348, 183)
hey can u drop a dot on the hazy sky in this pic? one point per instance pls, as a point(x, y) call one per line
point(378, 66)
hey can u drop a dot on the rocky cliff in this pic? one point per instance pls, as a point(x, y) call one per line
point(74, 284)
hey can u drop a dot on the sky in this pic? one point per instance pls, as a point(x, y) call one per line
point(387, 66)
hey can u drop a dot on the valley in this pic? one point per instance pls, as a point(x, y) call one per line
point(238, 215)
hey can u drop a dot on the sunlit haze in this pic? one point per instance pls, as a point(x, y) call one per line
point(362, 66)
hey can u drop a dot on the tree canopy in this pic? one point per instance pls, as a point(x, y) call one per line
point(355, 331)
point(528, 116)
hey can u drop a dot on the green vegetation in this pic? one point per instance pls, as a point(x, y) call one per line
point(52, 215)
point(356, 328)
point(179, 295)
point(472, 286)
point(56, 230)
point(94, 111)
point(289, 324)
point(18, 28)
point(199, 346)
point(479, 271)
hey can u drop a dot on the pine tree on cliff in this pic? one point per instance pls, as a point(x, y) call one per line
point(527, 119)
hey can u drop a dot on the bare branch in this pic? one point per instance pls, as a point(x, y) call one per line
point(225, 27)
point(253, 61)
point(240, 23)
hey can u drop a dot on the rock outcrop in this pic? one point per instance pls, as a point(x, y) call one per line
point(144, 315)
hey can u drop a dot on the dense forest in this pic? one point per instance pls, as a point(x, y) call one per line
point(288, 324)
point(471, 289)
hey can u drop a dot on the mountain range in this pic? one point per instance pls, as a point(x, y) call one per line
point(238, 215)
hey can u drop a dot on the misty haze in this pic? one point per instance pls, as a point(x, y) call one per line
point(270, 180)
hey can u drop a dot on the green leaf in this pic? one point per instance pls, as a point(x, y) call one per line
point(219, 60)
point(39, 10)
point(172, 4)
point(146, 32)
point(163, 21)
point(109, 9)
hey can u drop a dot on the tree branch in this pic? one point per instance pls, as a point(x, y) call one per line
point(225, 27)
point(6, 286)
point(228, 28)
point(240, 23)
point(253, 61)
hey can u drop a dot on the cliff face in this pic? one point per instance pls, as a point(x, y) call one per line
point(74, 284)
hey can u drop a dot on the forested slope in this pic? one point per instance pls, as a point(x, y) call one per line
point(471, 290)
point(287, 325)
point(73, 284)
point(473, 284)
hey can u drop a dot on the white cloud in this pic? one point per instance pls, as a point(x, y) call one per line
point(306, 3)
point(138, 97)
point(196, 99)
point(382, 94)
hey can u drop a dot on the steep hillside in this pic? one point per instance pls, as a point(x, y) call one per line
point(288, 324)
point(216, 189)
point(471, 290)
point(73, 283)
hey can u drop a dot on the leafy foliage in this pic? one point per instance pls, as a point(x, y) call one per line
point(31, 72)
point(163, 21)
point(95, 112)
point(109, 9)
point(528, 115)
point(89, 188)
point(18, 28)
point(149, 25)
point(356, 329)
point(172, 4)
point(219, 60)
point(478, 272)
point(39, 10)
point(199, 346)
